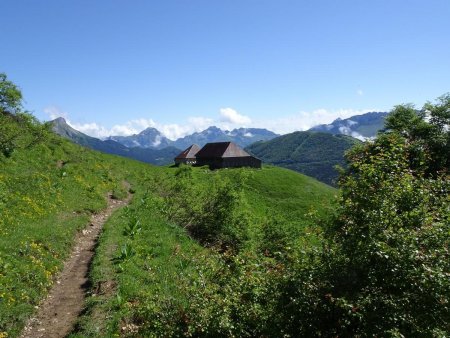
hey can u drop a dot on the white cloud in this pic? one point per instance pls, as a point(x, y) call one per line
point(99, 131)
point(228, 119)
point(174, 131)
point(157, 141)
point(194, 124)
point(91, 129)
point(360, 92)
point(54, 112)
point(347, 131)
point(306, 119)
point(229, 115)
point(200, 123)
point(344, 130)
point(358, 136)
point(126, 129)
point(143, 123)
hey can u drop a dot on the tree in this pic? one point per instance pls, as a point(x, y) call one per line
point(389, 269)
point(385, 266)
point(10, 96)
point(428, 133)
point(18, 129)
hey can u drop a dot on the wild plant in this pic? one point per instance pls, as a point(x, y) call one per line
point(126, 252)
point(133, 226)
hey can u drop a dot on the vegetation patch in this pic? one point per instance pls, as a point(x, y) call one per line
point(255, 265)
point(167, 282)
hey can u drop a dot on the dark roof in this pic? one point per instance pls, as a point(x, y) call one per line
point(189, 152)
point(221, 149)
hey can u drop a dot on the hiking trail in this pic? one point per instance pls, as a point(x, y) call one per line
point(57, 314)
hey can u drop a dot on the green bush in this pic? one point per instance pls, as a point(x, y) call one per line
point(385, 268)
point(213, 211)
point(18, 129)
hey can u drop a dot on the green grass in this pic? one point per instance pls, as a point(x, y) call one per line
point(161, 282)
point(297, 203)
point(47, 194)
point(150, 276)
point(291, 195)
point(275, 191)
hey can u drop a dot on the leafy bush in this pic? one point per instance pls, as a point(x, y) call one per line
point(18, 129)
point(386, 265)
point(213, 211)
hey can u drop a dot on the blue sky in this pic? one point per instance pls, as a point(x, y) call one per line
point(120, 66)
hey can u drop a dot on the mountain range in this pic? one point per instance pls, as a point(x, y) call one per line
point(315, 152)
point(148, 138)
point(147, 155)
point(151, 146)
point(152, 138)
point(359, 126)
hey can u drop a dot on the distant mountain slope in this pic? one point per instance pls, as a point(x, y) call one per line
point(154, 156)
point(148, 138)
point(312, 153)
point(152, 138)
point(359, 126)
point(242, 137)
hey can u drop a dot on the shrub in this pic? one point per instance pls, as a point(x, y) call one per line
point(213, 211)
point(386, 266)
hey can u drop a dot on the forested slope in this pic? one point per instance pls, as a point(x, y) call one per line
point(311, 153)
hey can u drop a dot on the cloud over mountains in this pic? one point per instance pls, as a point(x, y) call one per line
point(227, 119)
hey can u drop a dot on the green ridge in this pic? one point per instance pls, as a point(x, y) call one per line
point(311, 153)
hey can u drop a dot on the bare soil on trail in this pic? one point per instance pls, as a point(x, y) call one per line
point(58, 313)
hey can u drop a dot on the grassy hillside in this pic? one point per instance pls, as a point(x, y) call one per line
point(49, 188)
point(312, 153)
point(287, 193)
point(234, 253)
point(163, 282)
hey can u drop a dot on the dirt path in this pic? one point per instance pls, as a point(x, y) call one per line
point(58, 312)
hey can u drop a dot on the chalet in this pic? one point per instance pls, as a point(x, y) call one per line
point(225, 155)
point(187, 156)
